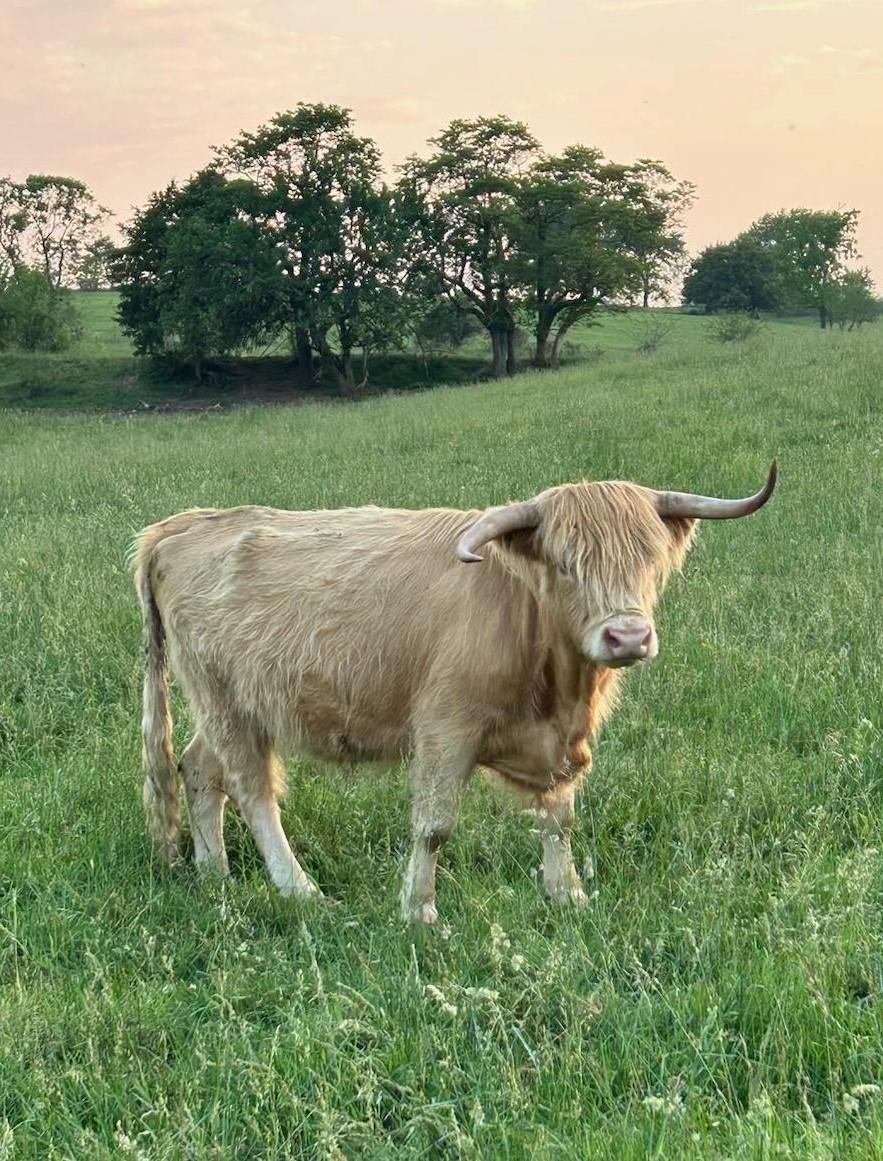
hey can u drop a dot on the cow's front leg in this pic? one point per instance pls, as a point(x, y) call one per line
point(555, 814)
point(438, 774)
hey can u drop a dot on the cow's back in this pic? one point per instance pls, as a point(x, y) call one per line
point(330, 629)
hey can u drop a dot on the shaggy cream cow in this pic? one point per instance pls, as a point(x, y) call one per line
point(456, 639)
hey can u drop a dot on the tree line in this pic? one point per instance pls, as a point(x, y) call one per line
point(293, 232)
point(787, 261)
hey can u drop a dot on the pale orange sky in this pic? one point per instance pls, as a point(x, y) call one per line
point(764, 104)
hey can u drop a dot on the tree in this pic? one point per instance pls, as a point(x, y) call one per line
point(35, 315)
point(852, 301)
point(334, 229)
point(810, 248)
point(578, 219)
point(441, 325)
point(197, 277)
point(94, 270)
point(465, 193)
point(742, 275)
point(12, 226)
point(48, 221)
point(657, 239)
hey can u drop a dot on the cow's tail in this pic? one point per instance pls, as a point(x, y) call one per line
point(161, 785)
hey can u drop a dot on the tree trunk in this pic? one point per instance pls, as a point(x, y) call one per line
point(646, 286)
point(558, 340)
point(511, 356)
point(347, 379)
point(823, 317)
point(541, 349)
point(365, 354)
point(304, 354)
point(498, 353)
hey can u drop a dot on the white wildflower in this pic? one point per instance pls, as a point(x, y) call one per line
point(865, 1090)
point(487, 995)
point(669, 1105)
point(499, 938)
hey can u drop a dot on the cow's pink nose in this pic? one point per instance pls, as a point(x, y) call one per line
point(631, 641)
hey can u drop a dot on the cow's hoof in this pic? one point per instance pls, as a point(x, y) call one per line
point(423, 914)
point(569, 897)
point(210, 869)
point(308, 893)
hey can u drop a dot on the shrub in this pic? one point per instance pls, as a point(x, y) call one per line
point(851, 300)
point(652, 331)
point(733, 327)
point(34, 316)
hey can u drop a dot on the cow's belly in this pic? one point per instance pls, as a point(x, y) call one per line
point(539, 756)
point(345, 739)
point(309, 714)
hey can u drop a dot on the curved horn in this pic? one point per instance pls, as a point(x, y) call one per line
point(672, 504)
point(493, 523)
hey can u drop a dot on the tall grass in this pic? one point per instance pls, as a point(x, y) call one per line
point(721, 996)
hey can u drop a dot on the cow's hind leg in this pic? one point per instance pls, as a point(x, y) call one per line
point(252, 778)
point(438, 774)
point(203, 777)
point(555, 815)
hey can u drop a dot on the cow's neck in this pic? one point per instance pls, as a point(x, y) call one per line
point(567, 680)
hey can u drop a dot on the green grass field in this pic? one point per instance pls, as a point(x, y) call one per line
point(100, 372)
point(722, 997)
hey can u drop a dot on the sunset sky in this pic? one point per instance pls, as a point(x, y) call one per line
point(763, 104)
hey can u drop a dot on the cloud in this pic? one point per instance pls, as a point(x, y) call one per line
point(521, 5)
point(636, 5)
point(802, 5)
point(787, 63)
point(867, 56)
point(832, 59)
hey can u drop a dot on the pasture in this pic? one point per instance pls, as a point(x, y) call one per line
point(99, 372)
point(721, 997)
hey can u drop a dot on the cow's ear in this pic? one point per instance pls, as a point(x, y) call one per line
point(682, 530)
point(525, 543)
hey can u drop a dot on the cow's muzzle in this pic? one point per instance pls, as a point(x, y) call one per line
point(624, 640)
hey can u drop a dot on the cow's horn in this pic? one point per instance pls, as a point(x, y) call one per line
point(493, 523)
point(672, 504)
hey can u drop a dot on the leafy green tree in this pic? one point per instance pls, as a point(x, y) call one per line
point(578, 218)
point(48, 221)
point(657, 235)
point(34, 314)
point(442, 326)
point(467, 221)
point(12, 226)
point(852, 301)
point(742, 275)
point(334, 229)
point(94, 269)
point(197, 277)
point(810, 248)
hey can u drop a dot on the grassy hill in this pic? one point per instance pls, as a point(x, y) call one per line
point(100, 372)
point(720, 998)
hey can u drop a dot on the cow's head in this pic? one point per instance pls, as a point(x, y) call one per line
point(607, 548)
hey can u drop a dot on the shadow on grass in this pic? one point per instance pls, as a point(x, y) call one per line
point(125, 384)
